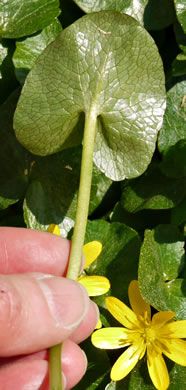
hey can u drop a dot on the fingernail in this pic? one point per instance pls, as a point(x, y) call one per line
point(67, 301)
point(97, 311)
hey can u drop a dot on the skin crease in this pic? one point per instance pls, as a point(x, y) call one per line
point(23, 251)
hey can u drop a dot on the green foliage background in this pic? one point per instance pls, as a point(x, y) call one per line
point(141, 221)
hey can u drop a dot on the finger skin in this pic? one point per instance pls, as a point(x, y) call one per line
point(25, 250)
point(31, 372)
point(87, 326)
point(34, 321)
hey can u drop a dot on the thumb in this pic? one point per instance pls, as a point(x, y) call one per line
point(38, 310)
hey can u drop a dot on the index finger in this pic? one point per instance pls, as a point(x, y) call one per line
point(26, 250)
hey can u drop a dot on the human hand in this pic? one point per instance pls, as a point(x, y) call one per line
point(38, 309)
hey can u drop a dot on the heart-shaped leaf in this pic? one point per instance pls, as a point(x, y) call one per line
point(97, 65)
point(19, 18)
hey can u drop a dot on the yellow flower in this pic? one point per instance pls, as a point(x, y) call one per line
point(95, 285)
point(159, 335)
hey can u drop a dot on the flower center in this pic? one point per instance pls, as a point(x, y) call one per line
point(149, 335)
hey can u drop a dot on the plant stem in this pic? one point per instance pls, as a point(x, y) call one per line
point(83, 195)
point(79, 231)
point(55, 367)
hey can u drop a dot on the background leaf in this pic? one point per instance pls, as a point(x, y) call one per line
point(174, 160)
point(153, 190)
point(130, 7)
point(52, 191)
point(24, 17)
point(161, 261)
point(118, 260)
point(148, 12)
point(139, 378)
point(14, 170)
point(156, 16)
point(173, 129)
point(129, 100)
point(180, 6)
point(98, 368)
point(8, 80)
point(28, 49)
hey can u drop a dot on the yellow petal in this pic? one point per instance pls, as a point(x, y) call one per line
point(161, 318)
point(110, 338)
point(54, 229)
point(99, 324)
point(127, 362)
point(95, 285)
point(139, 306)
point(176, 329)
point(91, 251)
point(157, 369)
point(175, 350)
point(122, 313)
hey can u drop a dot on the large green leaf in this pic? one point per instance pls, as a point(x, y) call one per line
point(14, 159)
point(173, 129)
point(28, 49)
point(161, 261)
point(180, 6)
point(97, 64)
point(52, 191)
point(133, 8)
point(24, 17)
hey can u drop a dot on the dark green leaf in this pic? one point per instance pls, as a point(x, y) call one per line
point(150, 12)
point(52, 192)
point(28, 49)
point(180, 36)
point(19, 17)
point(178, 213)
point(98, 369)
point(173, 128)
point(157, 15)
point(8, 80)
point(144, 219)
point(179, 65)
point(161, 260)
point(119, 258)
point(139, 378)
point(106, 68)
point(14, 159)
point(174, 160)
point(152, 190)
